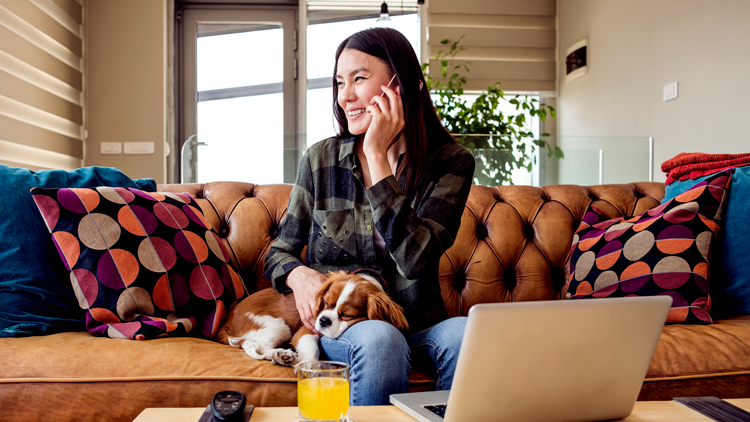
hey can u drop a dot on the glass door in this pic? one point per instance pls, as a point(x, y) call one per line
point(238, 95)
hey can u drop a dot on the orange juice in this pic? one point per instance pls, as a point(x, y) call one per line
point(323, 398)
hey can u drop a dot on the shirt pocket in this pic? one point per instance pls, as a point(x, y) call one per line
point(333, 240)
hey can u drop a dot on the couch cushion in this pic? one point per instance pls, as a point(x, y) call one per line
point(701, 360)
point(703, 350)
point(117, 378)
point(144, 264)
point(730, 286)
point(663, 251)
point(35, 292)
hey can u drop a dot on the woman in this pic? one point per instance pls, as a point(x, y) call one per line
point(386, 194)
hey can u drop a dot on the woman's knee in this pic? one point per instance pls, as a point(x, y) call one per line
point(378, 353)
point(450, 333)
point(377, 337)
point(366, 338)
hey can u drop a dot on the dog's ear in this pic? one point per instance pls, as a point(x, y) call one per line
point(382, 307)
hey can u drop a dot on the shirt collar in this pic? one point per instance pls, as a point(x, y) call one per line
point(347, 147)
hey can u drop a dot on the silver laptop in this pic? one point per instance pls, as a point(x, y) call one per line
point(561, 360)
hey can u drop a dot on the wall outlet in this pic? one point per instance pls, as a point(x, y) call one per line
point(139, 147)
point(110, 148)
point(670, 91)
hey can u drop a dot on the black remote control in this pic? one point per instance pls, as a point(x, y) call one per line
point(228, 406)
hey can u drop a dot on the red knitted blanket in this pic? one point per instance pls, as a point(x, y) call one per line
point(692, 165)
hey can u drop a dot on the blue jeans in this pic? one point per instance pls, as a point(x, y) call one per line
point(380, 357)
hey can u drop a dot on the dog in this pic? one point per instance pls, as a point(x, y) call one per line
point(266, 320)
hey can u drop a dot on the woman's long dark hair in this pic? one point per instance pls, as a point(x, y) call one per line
point(423, 131)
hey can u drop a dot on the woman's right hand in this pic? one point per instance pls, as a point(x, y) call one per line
point(305, 282)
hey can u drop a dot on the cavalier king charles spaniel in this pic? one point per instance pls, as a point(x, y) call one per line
point(266, 320)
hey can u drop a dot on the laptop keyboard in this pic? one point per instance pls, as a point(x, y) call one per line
point(438, 409)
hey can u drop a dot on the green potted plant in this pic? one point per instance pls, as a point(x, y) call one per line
point(500, 142)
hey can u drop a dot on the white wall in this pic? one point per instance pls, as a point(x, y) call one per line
point(126, 82)
point(635, 48)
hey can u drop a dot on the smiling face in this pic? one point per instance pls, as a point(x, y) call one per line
point(359, 77)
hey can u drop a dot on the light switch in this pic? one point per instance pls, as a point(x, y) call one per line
point(110, 148)
point(670, 91)
point(139, 147)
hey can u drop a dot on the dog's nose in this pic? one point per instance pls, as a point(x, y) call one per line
point(324, 321)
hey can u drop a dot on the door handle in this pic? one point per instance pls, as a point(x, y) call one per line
point(189, 159)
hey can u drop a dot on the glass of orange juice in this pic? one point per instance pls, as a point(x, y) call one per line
point(323, 391)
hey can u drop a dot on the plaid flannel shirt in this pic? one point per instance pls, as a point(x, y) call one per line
point(332, 213)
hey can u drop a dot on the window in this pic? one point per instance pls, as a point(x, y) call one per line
point(238, 94)
point(240, 103)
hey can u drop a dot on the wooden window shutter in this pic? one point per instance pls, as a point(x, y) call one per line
point(41, 83)
point(507, 41)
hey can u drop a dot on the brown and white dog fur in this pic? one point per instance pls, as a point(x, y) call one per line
point(266, 320)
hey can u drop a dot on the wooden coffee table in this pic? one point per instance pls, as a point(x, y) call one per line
point(275, 414)
point(644, 411)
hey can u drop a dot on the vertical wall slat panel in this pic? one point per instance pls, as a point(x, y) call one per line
point(497, 7)
point(20, 90)
point(33, 136)
point(31, 115)
point(41, 83)
point(61, 16)
point(18, 47)
point(17, 155)
point(37, 37)
point(37, 18)
point(72, 8)
point(38, 78)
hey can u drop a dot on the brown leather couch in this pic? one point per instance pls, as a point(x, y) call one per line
point(513, 246)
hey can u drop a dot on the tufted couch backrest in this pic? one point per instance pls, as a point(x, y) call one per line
point(513, 245)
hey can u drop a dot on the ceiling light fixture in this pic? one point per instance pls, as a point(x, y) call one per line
point(383, 13)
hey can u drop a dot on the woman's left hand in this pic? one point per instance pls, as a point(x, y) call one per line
point(386, 125)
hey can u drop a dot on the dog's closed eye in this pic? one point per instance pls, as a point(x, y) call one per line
point(347, 313)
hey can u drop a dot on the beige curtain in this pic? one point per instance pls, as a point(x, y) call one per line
point(41, 83)
point(507, 41)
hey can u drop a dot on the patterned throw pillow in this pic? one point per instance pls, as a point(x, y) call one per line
point(143, 264)
point(730, 278)
point(664, 251)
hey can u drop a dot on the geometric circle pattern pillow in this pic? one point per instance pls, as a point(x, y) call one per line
point(144, 264)
point(664, 251)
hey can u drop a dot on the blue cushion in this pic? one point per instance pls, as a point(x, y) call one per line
point(36, 295)
point(730, 263)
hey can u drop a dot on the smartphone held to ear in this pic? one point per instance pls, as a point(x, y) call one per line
point(389, 84)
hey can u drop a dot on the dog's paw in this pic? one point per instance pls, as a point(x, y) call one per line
point(283, 357)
